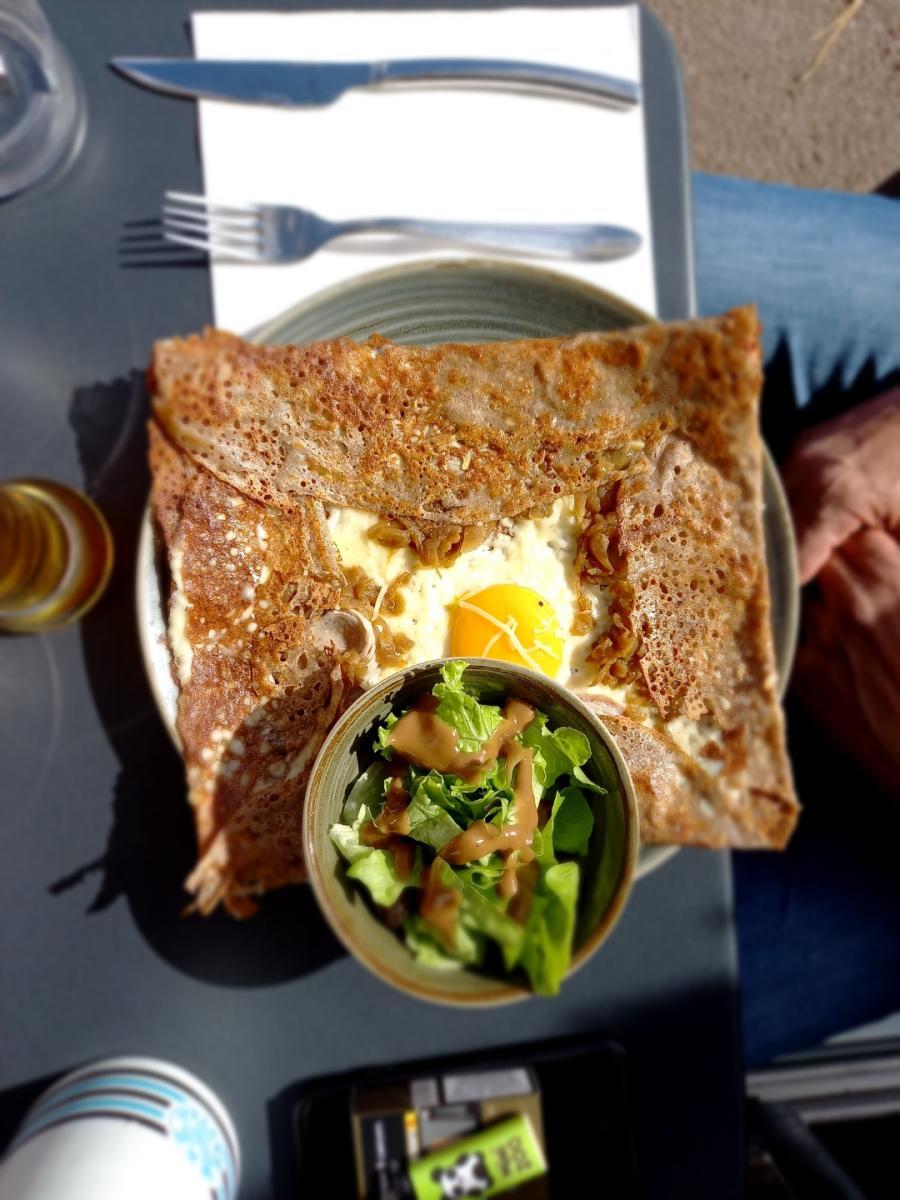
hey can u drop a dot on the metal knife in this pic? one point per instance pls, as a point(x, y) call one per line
point(300, 84)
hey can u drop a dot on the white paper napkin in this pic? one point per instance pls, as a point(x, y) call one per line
point(468, 155)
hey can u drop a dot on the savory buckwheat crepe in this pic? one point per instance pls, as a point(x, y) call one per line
point(589, 506)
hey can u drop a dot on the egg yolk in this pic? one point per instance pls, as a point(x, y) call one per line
point(508, 622)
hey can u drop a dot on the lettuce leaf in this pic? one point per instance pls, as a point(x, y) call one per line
point(373, 868)
point(428, 948)
point(465, 802)
point(381, 745)
point(542, 842)
point(429, 820)
point(480, 912)
point(483, 875)
point(376, 872)
point(557, 753)
point(573, 822)
point(568, 828)
point(584, 781)
point(368, 790)
point(473, 722)
point(439, 790)
point(346, 836)
point(547, 944)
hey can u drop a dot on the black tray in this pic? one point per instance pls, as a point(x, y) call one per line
point(586, 1108)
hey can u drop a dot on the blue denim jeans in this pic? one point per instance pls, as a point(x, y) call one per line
point(819, 925)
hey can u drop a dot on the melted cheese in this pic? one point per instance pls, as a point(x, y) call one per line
point(693, 736)
point(537, 553)
point(182, 651)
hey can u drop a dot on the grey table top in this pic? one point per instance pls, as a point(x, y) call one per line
point(94, 833)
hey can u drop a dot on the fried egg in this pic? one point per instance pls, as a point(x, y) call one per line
point(509, 622)
point(512, 598)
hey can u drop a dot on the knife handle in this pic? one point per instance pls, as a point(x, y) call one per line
point(509, 75)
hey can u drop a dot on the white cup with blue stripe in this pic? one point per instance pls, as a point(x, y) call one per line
point(134, 1128)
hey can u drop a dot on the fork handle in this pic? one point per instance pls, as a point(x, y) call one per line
point(557, 241)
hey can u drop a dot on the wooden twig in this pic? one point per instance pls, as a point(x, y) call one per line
point(828, 36)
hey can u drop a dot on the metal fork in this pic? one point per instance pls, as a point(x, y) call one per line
point(277, 233)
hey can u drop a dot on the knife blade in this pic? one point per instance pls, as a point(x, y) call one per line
point(307, 84)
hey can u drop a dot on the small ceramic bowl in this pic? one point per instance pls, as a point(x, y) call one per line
point(607, 872)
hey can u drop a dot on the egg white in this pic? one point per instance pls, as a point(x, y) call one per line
point(537, 553)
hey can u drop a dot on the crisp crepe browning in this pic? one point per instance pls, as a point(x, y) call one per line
point(681, 802)
point(654, 429)
point(259, 684)
point(456, 434)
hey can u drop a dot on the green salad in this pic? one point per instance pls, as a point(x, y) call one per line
point(467, 829)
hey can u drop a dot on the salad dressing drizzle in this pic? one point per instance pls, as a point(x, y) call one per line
point(527, 877)
point(394, 817)
point(422, 738)
point(404, 852)
point(388, 830)
point(483, 837)
point(440, 907)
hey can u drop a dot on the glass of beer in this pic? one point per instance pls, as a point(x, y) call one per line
point(56, 555)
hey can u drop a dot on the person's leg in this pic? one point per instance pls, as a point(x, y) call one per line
point(819, 925)
point(824, 269)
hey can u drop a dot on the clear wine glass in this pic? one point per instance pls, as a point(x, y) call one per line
point(42, 111)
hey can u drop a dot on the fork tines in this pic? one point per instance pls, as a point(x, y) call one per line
point(232, 230)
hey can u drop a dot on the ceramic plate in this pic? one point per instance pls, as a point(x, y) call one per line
point(476, 300)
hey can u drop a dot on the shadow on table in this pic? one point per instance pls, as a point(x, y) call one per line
point(142, 248)
point(150, 848)
point(15, 1103)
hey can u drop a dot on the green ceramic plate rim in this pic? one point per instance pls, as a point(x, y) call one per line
point(590, 292)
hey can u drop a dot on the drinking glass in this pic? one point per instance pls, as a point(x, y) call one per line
point(42, 111)
point(124, 1129)
point(55, 555)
